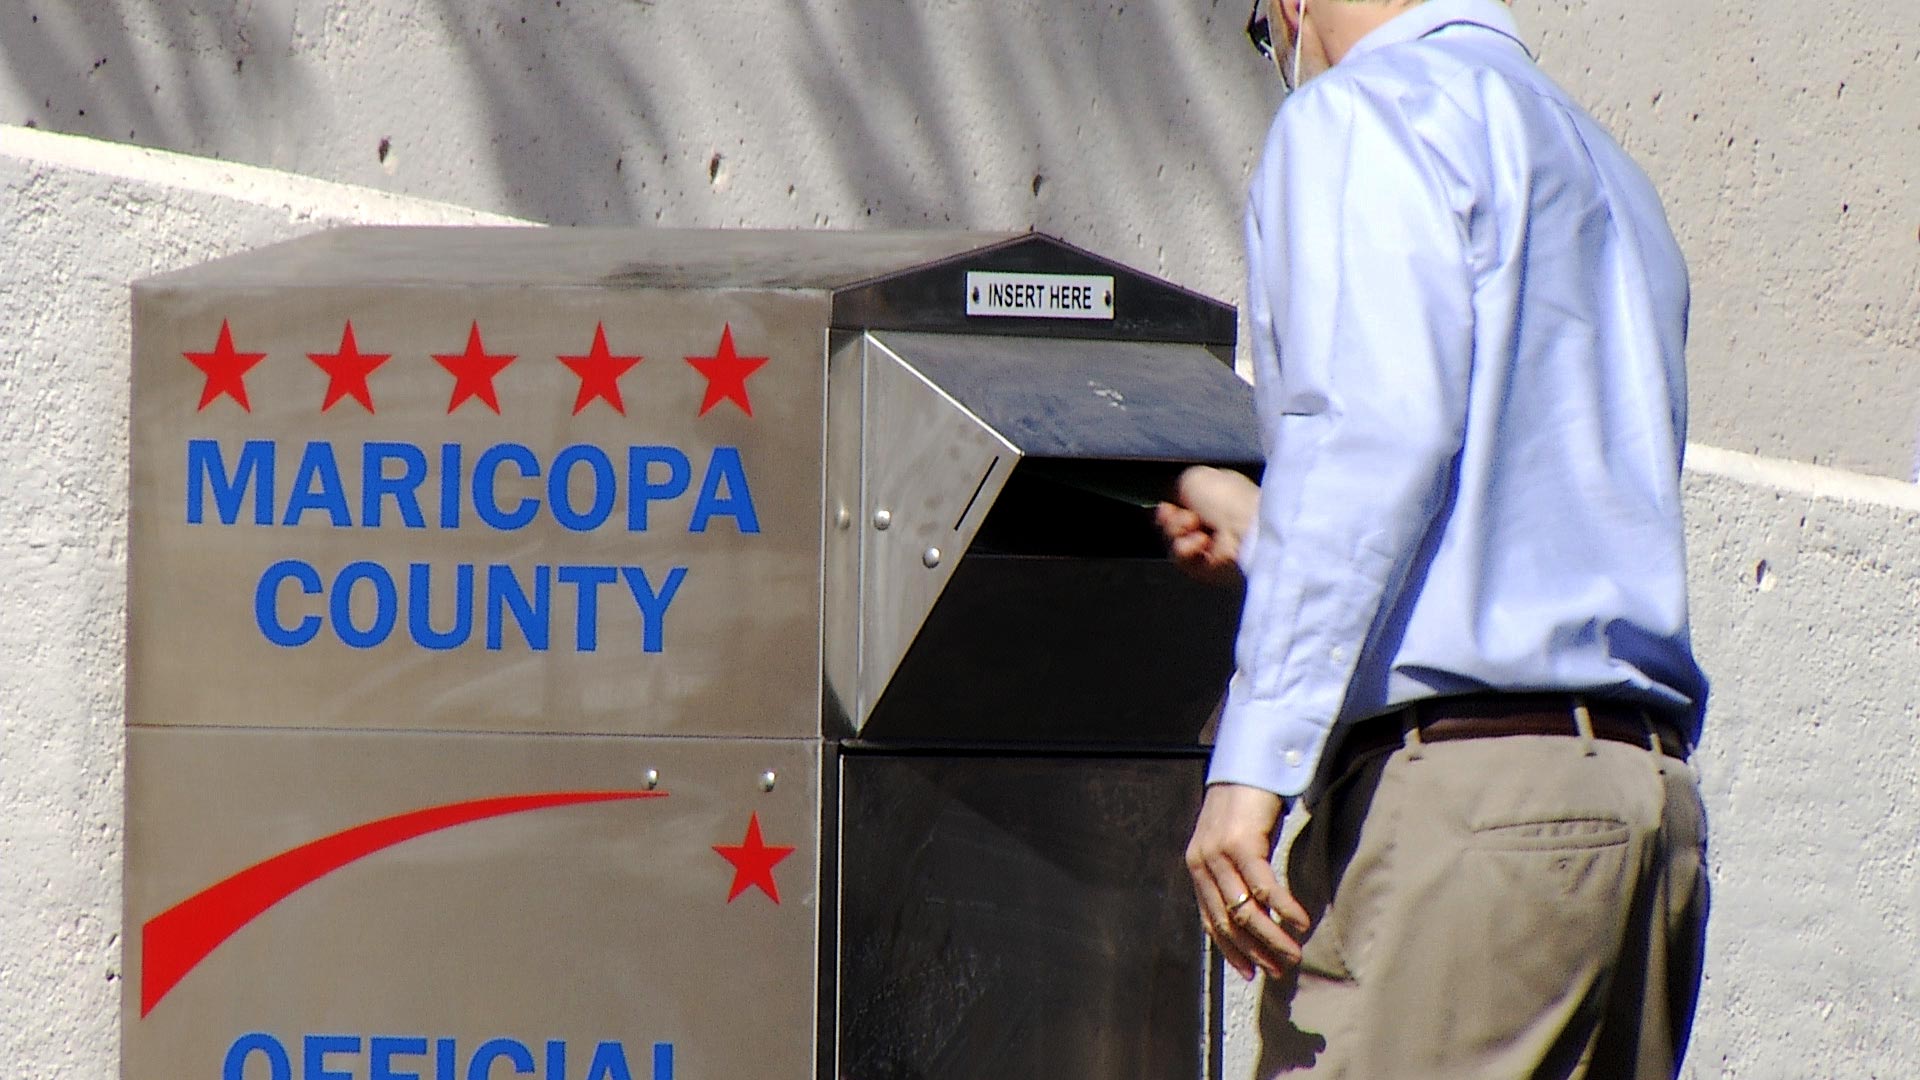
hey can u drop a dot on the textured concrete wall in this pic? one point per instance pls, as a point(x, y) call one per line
point(1785, 136)
point(1807, 614)
point(1129, 126)
point(81, 221)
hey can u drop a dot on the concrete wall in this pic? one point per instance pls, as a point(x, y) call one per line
point(1807, 615)
point(1784, 135)
point(1125, 127)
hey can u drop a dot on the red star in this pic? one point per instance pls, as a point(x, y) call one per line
point(753, 861)
point(473, 372)
point(347, 371)
point(225, 369)
point(600, 373)
point(726, 374)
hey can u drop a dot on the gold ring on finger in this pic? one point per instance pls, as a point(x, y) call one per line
point(1240, 902)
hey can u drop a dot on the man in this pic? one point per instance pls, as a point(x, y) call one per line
point(1465, 636)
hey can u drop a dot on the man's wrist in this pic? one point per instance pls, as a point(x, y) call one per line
point(1226, 501)
point(1286, 801)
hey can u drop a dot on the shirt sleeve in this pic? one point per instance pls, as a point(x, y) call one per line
point(1360, 301)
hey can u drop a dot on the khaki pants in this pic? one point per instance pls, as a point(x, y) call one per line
point(1525, 907)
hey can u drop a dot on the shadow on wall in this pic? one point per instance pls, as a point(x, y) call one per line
point(154, 73)
point(1119, 119)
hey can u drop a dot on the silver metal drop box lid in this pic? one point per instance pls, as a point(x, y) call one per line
point(994, 573)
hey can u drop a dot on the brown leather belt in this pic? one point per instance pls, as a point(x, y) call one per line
point(1495, 716)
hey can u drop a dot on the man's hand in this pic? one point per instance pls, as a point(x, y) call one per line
point(1205, 528)
point(1253, 919)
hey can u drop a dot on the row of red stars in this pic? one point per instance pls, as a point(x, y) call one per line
point(473, 371)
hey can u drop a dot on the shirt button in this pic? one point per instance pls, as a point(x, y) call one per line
point(1339, 654)
point(1292, 758)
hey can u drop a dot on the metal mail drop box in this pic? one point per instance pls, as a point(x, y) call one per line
point(622, 654)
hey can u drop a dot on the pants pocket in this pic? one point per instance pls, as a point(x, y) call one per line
point(1559, 834)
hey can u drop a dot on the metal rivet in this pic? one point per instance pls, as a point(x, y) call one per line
point(767, 780)
point(653, 779)
point(842, 518)
point(930, 558)
point(882, 519)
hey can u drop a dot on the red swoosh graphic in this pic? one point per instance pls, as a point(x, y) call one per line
point(173, 942)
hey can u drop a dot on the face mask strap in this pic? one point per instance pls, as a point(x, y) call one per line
point(1292, 79)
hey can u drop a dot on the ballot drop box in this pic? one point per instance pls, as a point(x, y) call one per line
point(620, 654)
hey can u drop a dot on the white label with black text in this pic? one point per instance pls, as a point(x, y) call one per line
point(1039, 296)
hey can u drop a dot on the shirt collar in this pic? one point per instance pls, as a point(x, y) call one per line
point(1423, 19)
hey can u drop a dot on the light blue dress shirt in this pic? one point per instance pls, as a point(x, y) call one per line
point(1469, 320)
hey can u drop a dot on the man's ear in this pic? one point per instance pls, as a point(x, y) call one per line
point(1288, 12)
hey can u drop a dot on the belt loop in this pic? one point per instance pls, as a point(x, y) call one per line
point(1410, 733)
point(1583, 720)
point(1655, 742)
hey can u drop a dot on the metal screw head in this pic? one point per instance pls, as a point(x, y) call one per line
point(652, 779)
point(930, 558)
point(767, 780)
point(842, 518)
point(882, 519)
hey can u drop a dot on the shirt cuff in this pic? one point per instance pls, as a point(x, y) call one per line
point(1261, 744)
